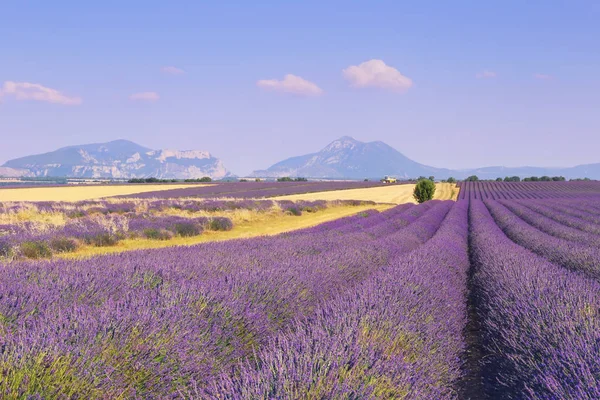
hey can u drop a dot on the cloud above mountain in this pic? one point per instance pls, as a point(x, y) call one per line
point(377, 74)
point(33, 91)
point(291, 84)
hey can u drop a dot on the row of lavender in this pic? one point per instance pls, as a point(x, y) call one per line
point(528, 190)
point(254, 189)
point(105, 223)
point(372, 312)
point(537, 294)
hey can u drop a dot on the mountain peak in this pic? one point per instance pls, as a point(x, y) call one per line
point(345, 142)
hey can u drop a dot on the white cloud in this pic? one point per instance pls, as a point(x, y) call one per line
point(375, 73)
point(291, 84)
point(37, 92)
point(145, 96)
point(542, 76)
point(172, 70)
point(485, 74)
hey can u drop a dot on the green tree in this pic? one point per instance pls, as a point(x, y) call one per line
point(432, 178)
point(424, 190)
point(451, 180)
point(472, 178)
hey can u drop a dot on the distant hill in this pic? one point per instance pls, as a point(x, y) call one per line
point(119, 159)
point(352, 159)
point(349, 158)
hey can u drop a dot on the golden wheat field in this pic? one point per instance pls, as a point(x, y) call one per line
point(394, 194)
point(83, 192)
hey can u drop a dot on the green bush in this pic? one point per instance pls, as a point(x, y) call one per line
point(220, 224)
point(35, 249)
point(63, 244)
point(103, 240)
point(424, 190)
point(6, 249)
point(157, 234)
point(187, 229)
point(294, 211)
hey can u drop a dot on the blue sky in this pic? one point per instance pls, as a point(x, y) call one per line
point(464, 84)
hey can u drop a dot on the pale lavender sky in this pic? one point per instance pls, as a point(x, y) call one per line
point(449, 84)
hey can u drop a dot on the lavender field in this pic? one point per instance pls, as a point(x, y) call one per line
point(496, 295)
point(254, 189)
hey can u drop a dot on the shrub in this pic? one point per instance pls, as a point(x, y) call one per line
point(63, 244)
point(284, 179)
point(6, 249)
point(187, 229)
point(294, 211)
point(220, 224)
point(424, 190)
point(157, 234)
point(35, 249)
point(103, 239)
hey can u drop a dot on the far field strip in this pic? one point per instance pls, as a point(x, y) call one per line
point(270, 224)
point(395, 194)
point(82, 192)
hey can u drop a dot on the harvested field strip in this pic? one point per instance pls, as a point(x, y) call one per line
point(396, 194)
point(78, 193)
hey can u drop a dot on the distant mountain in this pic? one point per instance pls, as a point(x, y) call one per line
point(351, 159)
point(12, 172)
point(120, 159)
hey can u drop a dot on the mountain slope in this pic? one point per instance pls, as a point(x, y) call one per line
point(349, 158)
point(120, 159)
point(352, 159)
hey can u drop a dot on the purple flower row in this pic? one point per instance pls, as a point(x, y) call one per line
point(399, 334)
point(166, 322)
point(540, 322)
point(578, 256)
point(254, 189)
point(529, 190)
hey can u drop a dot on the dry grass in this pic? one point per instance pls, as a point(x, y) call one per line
point(258, 224)
point(83, 192)
point(396, 194)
